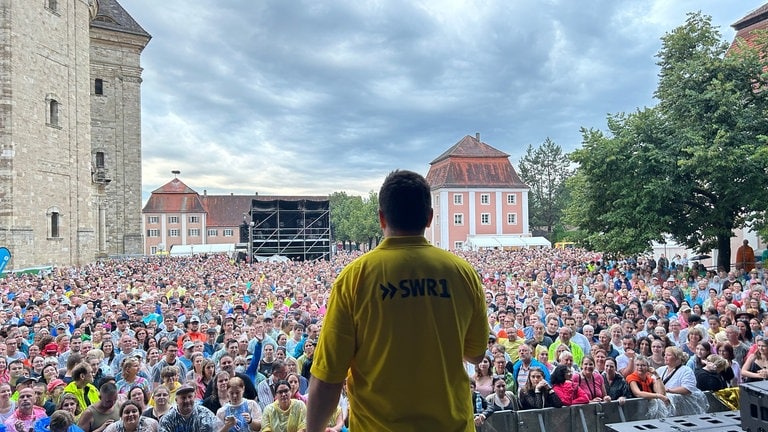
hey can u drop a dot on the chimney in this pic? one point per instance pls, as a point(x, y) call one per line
point(477, 136)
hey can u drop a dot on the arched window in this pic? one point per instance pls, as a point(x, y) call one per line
point(53, 109)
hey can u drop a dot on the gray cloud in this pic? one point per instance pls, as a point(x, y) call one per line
point(308, 97)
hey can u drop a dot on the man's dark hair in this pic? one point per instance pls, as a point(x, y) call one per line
point(79, 370)
point(278, 365)
point(105, 379)
point(108, 388)
point(61, 420)
point(405, 200)
point(559, 375)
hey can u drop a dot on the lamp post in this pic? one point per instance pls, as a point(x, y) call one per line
point(249, 225)
point(250, 241)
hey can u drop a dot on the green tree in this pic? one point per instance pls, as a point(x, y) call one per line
point(367, 219)
point(545, 169)
point(692, 166)
point(620, 188)
point(355, 218)
point(342, 208)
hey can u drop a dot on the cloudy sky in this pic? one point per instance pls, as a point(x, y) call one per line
point(313, 97)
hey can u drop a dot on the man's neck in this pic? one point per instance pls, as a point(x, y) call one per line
point(25, 413)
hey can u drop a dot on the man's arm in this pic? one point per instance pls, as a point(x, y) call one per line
point(85, 420)
point(630, 367)
point(323, 399)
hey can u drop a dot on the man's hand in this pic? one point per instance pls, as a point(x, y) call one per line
point(105, 425)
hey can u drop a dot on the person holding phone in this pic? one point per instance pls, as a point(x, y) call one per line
point(239, 414)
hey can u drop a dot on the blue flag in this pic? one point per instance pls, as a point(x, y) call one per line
point(5, 256)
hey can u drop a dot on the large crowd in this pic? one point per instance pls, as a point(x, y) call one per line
point(147, 344)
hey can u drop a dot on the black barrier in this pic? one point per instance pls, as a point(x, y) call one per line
point(713, 422)
point(578, 418)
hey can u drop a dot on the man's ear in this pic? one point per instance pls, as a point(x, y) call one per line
point(430, 217)
point(382, 220)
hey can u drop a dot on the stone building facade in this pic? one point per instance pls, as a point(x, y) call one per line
point(56, 206)
point(116, 45)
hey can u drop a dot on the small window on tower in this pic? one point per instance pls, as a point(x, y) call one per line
point(98, 86)
point(99, 159)
point(53, 112)
point(54, 224)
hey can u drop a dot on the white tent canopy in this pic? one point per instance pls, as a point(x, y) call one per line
point(187, 250)
point(272, 259)
point(476, 242)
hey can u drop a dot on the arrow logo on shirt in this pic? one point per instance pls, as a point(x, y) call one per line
point(387, 290)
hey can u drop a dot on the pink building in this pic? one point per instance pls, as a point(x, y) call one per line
point(176, 215)
point(478, 199)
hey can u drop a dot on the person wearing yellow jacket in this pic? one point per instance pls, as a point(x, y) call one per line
point(82, 386)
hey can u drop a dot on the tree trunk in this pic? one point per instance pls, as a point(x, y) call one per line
point(724, 251)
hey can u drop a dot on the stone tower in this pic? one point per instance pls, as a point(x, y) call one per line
point(50, 191)
point(116, 45)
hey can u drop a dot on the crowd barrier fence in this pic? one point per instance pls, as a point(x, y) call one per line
point(577, 418)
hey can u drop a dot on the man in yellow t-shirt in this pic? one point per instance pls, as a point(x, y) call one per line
point(400, 320)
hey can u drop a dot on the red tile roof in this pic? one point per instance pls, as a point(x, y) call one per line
point(174, 197)
point(175, 186)
point(221, 210)
point(226, 210)
point(470, 147)
point(755, 20)
point(472, 163)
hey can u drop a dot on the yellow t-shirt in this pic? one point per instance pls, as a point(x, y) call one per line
point(512, 347)
point(400, 320)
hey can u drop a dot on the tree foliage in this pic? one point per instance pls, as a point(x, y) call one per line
point(620, 187)
point(545, 169)
point(354, 218)
point(693, 165)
